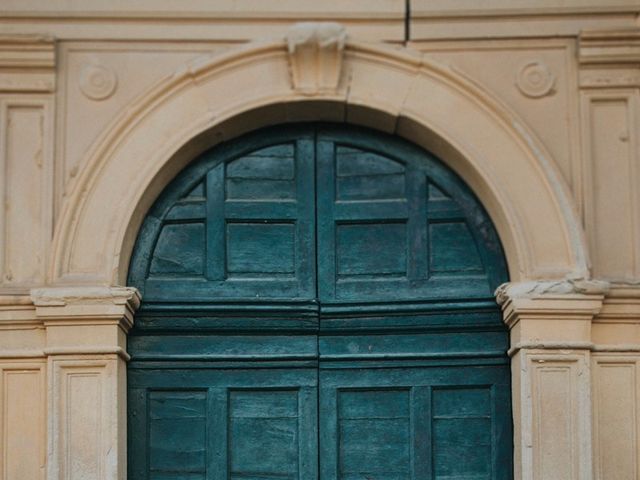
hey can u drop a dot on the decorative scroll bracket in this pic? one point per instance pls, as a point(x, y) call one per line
point(315, 56)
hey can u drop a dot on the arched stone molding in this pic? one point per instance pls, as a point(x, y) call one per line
point(391, 89)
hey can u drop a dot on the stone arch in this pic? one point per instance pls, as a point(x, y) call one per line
point(311, 78)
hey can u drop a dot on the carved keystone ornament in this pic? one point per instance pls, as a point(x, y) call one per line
point(315, 56)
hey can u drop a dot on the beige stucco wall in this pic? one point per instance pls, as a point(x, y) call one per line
point(535, 103)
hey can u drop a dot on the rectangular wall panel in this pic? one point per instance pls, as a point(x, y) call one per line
point(25, 176)
point(612, 210)
point(560, 416)
point(23, 423)
point(552, 417)
point(83, 442)
point(615, 419)
point(84, 424)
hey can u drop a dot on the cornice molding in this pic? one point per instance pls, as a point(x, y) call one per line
point(27, 63)
point(609, 46)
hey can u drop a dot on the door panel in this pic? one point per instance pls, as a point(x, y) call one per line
point(177, 422)
point(395, 226)
point(239, 224)
point(235, 424)
point(445, 423)
point(370, 242)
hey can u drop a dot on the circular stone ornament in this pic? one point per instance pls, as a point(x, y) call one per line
point(535, 79)
point(98, 82)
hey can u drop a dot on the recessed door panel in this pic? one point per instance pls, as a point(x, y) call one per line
point(227, 424)
point(390, 229)
point(374, 431)
point(237, 225)
point(440, 423)
point(177, 426)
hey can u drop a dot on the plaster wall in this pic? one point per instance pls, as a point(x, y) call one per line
point(535, 103)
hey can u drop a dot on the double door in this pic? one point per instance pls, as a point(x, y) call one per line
point(317, 305)
point(301, 423)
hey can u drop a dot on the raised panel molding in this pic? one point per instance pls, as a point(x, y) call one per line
point(22, 421)
point(26, 179)
point(612, 176)
point(616, 391)
point(609, 77)
point(83, 419)
point(556, 389)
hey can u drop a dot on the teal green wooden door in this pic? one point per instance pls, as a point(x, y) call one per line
point(317, 304)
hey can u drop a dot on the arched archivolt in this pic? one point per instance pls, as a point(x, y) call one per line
point(218, 98)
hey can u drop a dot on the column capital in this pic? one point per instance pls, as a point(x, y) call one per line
point(551, 314)
point(82, 321)
point(84, 305)
point(551, 300)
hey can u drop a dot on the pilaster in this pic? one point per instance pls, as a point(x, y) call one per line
point(27, 89)
point(615, 363)
point(550, 329)
point(85, 345)
point(609, 82)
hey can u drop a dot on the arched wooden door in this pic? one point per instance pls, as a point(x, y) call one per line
point(317, 304)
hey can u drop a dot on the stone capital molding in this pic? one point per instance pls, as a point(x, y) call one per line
point(537, 289)
point(315, 56)
point(569, 299)
point(86, 304)
point(610, 47)
point(27, 63)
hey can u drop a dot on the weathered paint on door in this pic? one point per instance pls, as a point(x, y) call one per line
point(318, 304)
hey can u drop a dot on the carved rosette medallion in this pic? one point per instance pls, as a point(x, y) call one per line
point(315, 56)
point(535, 79)
point(97, 82)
